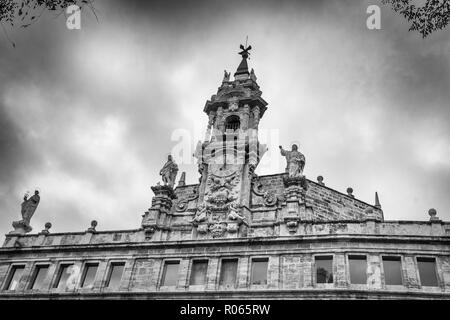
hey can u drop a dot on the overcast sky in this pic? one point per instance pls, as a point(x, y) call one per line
point(88, 116)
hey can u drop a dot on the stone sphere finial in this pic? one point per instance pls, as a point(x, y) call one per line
point(350, 192)
point(320, 180)
point(92, 227)
point(48, 225)
point(432, 212)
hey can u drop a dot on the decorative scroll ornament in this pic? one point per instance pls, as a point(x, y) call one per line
point(182, 205)
point(268, 197)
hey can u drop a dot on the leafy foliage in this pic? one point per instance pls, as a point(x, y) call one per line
point(432, 16)
point(24, 12)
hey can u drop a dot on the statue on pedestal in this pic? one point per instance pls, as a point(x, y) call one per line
point(295, 161)
point(169, 172)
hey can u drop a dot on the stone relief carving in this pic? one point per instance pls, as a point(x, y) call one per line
point(201, 214)
point(221, 190)
point(218, 229)
point(233, 103)
point(182, 205)
point(234, 212)
point(269, 198)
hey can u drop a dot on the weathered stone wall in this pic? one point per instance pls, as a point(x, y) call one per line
point(327, 204)
point(257, 229)
point(290, 272)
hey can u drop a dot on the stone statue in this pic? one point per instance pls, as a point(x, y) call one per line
point(169, 172)
point(295, 161)
point(226, 76)
point(29, 206)
point(252, 75)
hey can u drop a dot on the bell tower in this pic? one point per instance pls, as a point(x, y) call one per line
point(229, 153)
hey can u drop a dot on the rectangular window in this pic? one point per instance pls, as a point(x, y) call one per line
point(115, 274)
point(392, 270)
point(228, 272)
point(14, 277)
point(63, 275)
point(358, 269)
point(89, 275)
point(198, 273)
point(324, 269)
point(259, 271)
point(170, 274)
point(427, 271)
point(39, 276)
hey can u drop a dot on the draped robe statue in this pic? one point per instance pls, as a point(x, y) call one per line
point(169, 172)
point(295, 161)
point(29, 206)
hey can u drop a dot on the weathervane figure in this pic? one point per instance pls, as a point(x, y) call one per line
point(245, 51)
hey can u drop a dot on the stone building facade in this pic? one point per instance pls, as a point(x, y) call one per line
point(236, 234)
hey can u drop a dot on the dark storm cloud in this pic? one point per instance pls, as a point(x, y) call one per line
point(87, 115)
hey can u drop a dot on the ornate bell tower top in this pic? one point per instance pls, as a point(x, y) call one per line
point(237, 93)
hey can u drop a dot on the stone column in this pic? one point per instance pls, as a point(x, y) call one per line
point(410, 276)
point(101, 275)
point(245, 117)
point(125, 283)
point(273, 272)
point(155, 217)
point(211, 116)
point(219, 124)
point(183, 268)
point(243, 281)
point(307, 269)
point(212, 277)
point(47, 283)
point(373, 272)
point(290, 272)
point(26, 277)
point(443, 264)
point(340, 271)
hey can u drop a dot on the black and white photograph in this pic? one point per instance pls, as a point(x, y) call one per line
point(242, 152)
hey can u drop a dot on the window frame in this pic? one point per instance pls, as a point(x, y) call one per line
point(164, 272)
point(321, 257)
point(402, 274)
point(436, 271)
point(356, 256)
point(58, 273)
point(86, 264)
point(257, 259)
point(34, 275)
point(10, 275)
point(234, 285)
point(198, 260)
point(110, 266)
